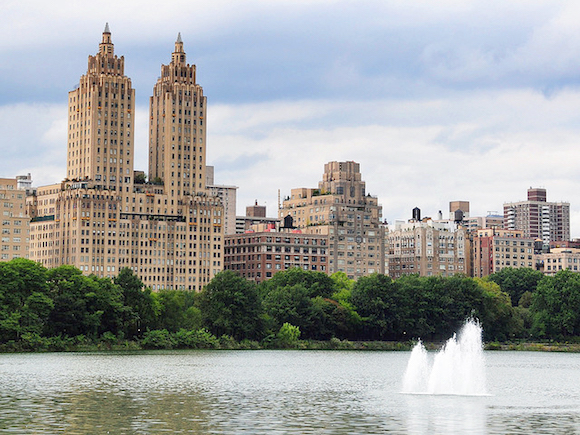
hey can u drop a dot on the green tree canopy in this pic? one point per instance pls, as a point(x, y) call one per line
point(315, 283)
point(556, 306)
point(516, 281)
point(230, 305)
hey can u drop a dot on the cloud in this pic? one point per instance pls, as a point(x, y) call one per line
point(33, 140)
point(487, 148)
point(474, 100)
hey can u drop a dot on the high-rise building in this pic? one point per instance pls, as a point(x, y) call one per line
point(341, 209)
point(100, 122)
point(168, 231)
point(177, 133)
point(538, 218)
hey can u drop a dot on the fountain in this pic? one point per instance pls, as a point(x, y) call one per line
point(457, 369)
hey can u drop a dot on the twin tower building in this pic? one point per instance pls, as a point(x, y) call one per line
point(104, 216)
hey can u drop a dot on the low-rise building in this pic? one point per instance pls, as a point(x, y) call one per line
point(15, 222)
point(426, 248)
point(258, 255)
point(495, 249)
point(550, 263)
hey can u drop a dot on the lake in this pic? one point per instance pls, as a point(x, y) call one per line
point(277, 392)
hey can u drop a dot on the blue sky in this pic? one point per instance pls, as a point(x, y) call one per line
point(438, 101)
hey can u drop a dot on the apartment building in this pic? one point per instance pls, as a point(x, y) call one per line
point(538, 218)
point(426, 248)
point(258, 255)
point(15, 221)
point(550, 263)
point(495, 249)
point(169, 231)
point(341, 209)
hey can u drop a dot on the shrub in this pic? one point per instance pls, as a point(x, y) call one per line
point(158, 339)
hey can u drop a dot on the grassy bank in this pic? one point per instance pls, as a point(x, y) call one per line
point(162, 340)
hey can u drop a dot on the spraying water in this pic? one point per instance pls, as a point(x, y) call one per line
point(457, 369)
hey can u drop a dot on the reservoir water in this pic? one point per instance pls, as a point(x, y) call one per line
point(278, 392)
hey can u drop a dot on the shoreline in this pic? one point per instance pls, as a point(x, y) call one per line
point(333, 344)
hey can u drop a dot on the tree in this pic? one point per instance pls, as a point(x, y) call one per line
point(288, 304)
point(83, 305)
point(516, 281)
point(230, 305)
point(140, 313)
point(171, 308)
point(498, 318)
point(556, 306)
point(315, 283)
point(381, 305)
point(24, 306)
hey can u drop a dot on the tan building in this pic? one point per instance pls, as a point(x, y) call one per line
point(228, 198)
point(169, 232)
point(426, 248)
point(15, 221)
point(341, 209)
point(475, 223)
point(258, 255)
point(495, 249)
point(559, 259)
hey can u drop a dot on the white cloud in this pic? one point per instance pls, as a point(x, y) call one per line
point(487, 148)
point(436, 103)
point(33, 139)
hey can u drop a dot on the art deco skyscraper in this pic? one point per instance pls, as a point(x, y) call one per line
point(100, 133)
point(170, 233)
point(177, 133)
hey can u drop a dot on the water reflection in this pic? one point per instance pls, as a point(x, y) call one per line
point(276, 393)
point(428, 414)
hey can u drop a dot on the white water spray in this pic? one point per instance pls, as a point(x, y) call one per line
point(457, 369)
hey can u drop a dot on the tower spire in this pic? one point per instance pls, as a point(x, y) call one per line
point(178, 56)
point(106, 46)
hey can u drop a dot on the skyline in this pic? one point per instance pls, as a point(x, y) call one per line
point(435, 107)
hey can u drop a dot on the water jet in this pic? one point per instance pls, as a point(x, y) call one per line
point(457, 369)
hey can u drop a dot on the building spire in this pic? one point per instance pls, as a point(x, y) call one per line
point(178, 56)
point(106, 46)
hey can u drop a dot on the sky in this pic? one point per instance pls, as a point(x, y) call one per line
point(438, 101)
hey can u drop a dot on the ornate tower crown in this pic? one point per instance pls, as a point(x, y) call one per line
point(106, 47)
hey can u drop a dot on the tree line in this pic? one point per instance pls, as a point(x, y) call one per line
point(61, 308)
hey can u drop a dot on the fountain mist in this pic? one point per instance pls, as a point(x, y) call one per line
point(458, 368)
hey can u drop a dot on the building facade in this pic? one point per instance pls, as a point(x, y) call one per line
point(258, 255)
point(228, 198)
point(15, 221)
point(495, 249)
point(426, 248)
point(169, 232)
point(341, 209)
point(538, 218)
point(550, 263)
